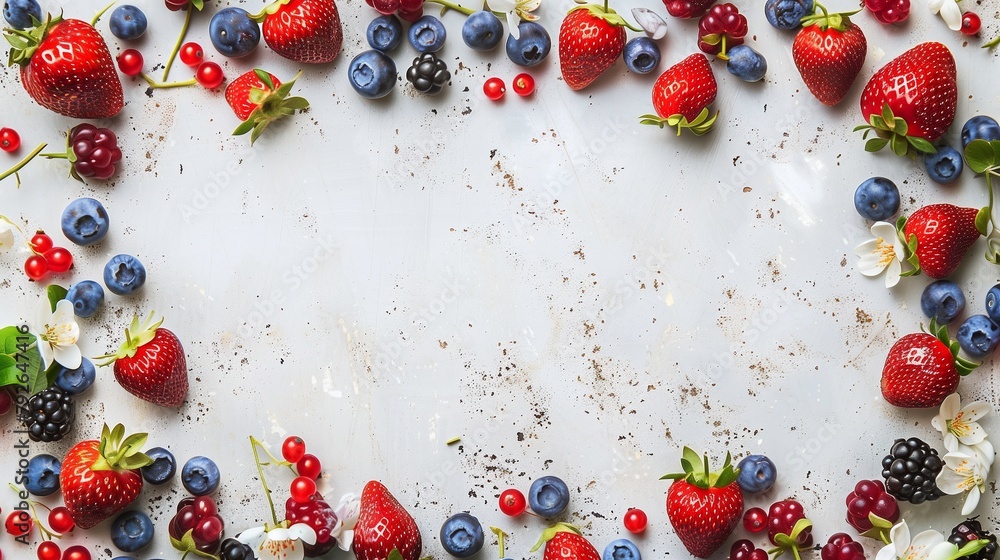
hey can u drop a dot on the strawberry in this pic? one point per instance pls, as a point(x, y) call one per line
point(150, 363)
point(258, 99)
point(591, 39)
point(829, 52)
point(922, 369)
point(66, 68)
point(101, 478)
point(703, 507)
point(937, 237)
point(384, 526)
point(682, 94)
point(686, 9)
point(564, 542)
point(303, 30)
point(911, 101)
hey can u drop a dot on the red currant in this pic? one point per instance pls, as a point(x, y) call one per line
point(842, 547)
point(309, 466)
point(6, 402)
point(35, 267)
point(61, 520)
point(512, 502)
point(209, 75)
point(523, 84)
point(755, 520)
point(494, 89)
point(19, 523)
point(745, 550)
point(76, 552)
point(59, 259)
point(191, 54)
point(635, 520)
point(208, 530)
point(302, 489)
point(204, 506)
point(41, 242)
point(176, 5)
point(971, 23)
point(10, 140)
point(130, 62)
point(293, 449)
point(48, 550)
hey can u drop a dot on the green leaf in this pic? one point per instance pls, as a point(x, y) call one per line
point(887, 115)
point(296, 103)
point(980, 155)
point(899, 145)
point(245, 126)
point(899, 126)
point(712, 39)
point(56, 293)
point(727, 477)
point(394, 555)
point(983, 220)
point(265, 78)
point(875, 144)
point(198, 4)
point(879, 123)
point(921, 145)
point(691, 456)
point(9, 339)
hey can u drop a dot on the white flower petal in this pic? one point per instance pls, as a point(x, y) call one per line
point(6, 237)
point(951, 406)
point(345, 540)
point(866, 248)
point(887, 552)
point(974, 434)
point(900, 537)
point(942, 551)
point(885, 230)
point(971, 501)
point(959, 460)
point(951, 482)
point(303, 532)
point(502, 5)
point(976, 410)
point(924, 541)
point(252, 537)
point(68, 357)
point(984, 449)
point(45, 350)
point(513, 23)
point(650, 22)
point(952, 15)
point(892, 273)
point(935, 5)
point(950, 442)
point(64, 312)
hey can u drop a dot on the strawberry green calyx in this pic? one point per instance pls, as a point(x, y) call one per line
point(699, 126)
point(838, 21)
point(962, 366)
point(186, 545)
point(118, 452)
point(880, 529)
point(890, 130)
point(272, 105)
point(136, 335)
point(269, 10)
point(697, 473)
point(789, 542)
point(24, 43)
point(551, 532)
point(607, 14)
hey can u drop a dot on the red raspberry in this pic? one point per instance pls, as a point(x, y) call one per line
point(889, 11)
point(687, 8)
point(745, 550)
point(722, 27)
point(842, 547)
point(320, 516)
point(782, 517)
point(869, 496)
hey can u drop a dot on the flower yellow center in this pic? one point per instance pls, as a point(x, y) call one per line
point(59, 335)
point(886, 252)
point(959, 426)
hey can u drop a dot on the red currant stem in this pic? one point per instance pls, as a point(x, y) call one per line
point(164, 85)
point(177, 45)
point(46, 533)
point(254, 444)
point(17, 167)
point(722, 53)
point(453, 6)
point(97, 17)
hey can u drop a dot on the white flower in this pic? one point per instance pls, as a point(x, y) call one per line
point(958, 424)
point(949, 12)
point(964, 472)
point(929, 545)
point(6, 235)
point(885, 252)
point(58, 334)
point(347, 513)
point(516, 10)
point(650, 22)
point(279, 543)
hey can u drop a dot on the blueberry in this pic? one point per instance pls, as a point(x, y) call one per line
point(757, 474)
point(462, 535)
point(233, 33)
point(76, 381)
point(482, 31)
point(127, 22)
point(642, 55)
point(131, 531)
point(86, 296)
point(621, 549)
point(980, 127)
point(427, 34)
point(993, 303)
point(944, 301)
point(124, 274)
point(385, 33)
point(877, 199)
point(163, 468)
point(787, 14)
point(548, 496)
point(18, 13)
point(42, 476)
point(85, 221)
point(746, 63)
point(200, 476)
point(944, 166)
point(531, 47)
point(372, 74)
point(978, 336)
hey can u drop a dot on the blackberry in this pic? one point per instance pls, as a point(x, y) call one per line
point(970, 530)
point(233, 549)
point(910, 471)
point(48, 414)
point(428, 74)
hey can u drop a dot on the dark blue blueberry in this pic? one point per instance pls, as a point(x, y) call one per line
point(621, 549)
point(944, 166)
point(787, 14)
point(548, 496)
point(427, 34)
point(944, 301)
point(980, 127)
point(18, 13)
point(163, 468)
point(42, 476)
point(746, 63)
point(531, 47)
point(372, 74)
point(86, 296)
point(385, 33)
point(233, 33)
point(131, 531)
point(200, 476)
point(877, 199)
point(978, 336)
point(462, 535)
point(642, 55)
point(482, 31)
point(993, 303)
point(127, 22)
point(85, 221)
point(757, 474)
point(124, 274)
point(76, 381)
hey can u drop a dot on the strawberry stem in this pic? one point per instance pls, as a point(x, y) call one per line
point(17, 166)
point(254, 444)
point(97, 17)
point(177, 46)
point(164, 85)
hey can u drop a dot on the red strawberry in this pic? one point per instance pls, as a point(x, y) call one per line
point(911, 101)
point(564, 542)
point(922, 369)
point(703, 507)
point(687, 8)
point(303, 30)
point(384, 526)
point(937, 237)
point(682, 94)
point(258, 99)
point(591, 39)
point(66, 67)
point(150, 363)
point(101, 478)
point(829, 52)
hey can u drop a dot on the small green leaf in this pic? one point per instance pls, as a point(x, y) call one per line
point(256, 96)
point(691, 456)
point(712, 39)
point(983, 220)
point(875, 144)
point(245, 126)
point(899, 145)
point(879, 123)
point(296, 103)
point(56, 293)
point(899, 126)
point(887, 115)
point(394, 555)
point(921, 145)
point(198, 4)
point(980, 155)
point(264, 78)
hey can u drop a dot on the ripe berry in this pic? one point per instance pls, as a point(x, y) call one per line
point(293, 449)
point(130, 62)
point(910, 471)
point(722, 27)
point(77, 552)
point(176, 5)
point(59, 259)
point(635, 520)
point(309, 466)
point(870, 497)
point(889, 11)
point(41, 242)
point(191, 54)
point(842, 547)
point(35, 267)
point(745, 550)
point(782, 517)
point(523, 84)
point(317, 514)
point(971, 23)
point(755, 520)
point(971, 530)
point(48, 550)
point(19, 523)
point(512, 502)
point(302, 489)
point(10, 140)
point(61, 520)
point(209, 75)
point(96, 151)
point(494, 89)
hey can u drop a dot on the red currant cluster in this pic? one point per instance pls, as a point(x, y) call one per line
point(722, 27)
point(207, 73)
point(305, 504)
point(889, 11)
point(842, 547)
point(782, 518)
point(407, 10)
point(20, 523)
point(10, 140)
point(523, 84)
point(177, 5)
point(868, 499)
point(96, 151)
point(49, 550)
point(200, 516)
point(45, 258)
